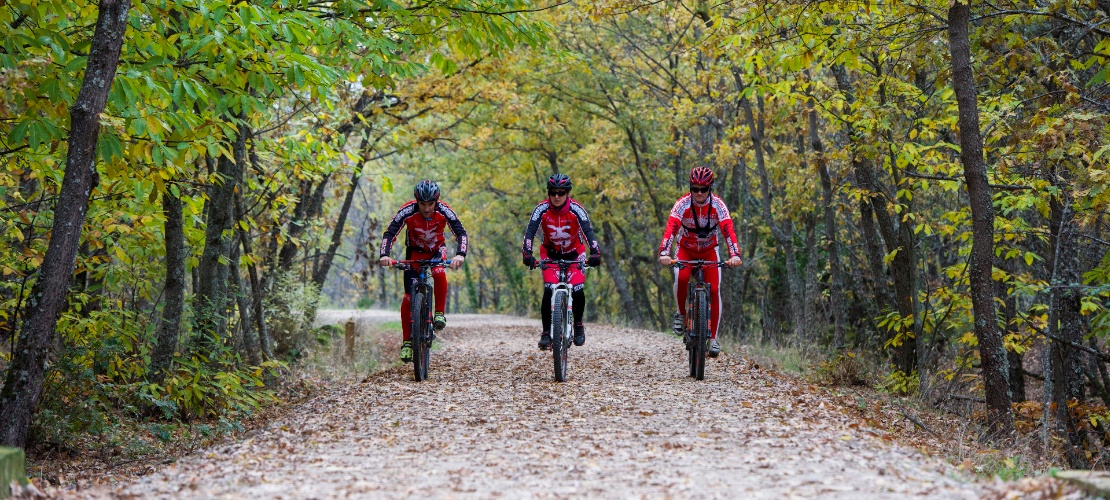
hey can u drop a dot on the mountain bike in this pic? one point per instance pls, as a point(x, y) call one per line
point(696, 332)
point(423, 330)
point(562, 315)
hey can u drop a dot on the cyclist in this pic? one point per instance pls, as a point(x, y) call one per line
point(693, 224)
point(562, 220)
point(425, 218)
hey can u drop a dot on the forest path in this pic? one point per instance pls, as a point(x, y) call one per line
point(491, 422)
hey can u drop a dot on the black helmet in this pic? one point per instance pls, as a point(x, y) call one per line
point(559, 181)
point(426, 190)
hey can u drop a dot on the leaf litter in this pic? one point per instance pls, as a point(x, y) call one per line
point(492, 422)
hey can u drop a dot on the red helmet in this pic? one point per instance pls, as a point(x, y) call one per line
point(702, 175)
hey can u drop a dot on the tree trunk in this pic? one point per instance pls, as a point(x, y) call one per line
point(613, 266)
point(734, 284)
point(169, 325)
point(836, 281)
point(264, 342)
point(999, 415)
point(301, 214)
point(1067, 362)
point(23, 385)
point(211, 301)
point(321, 273)
point(783, 234)
point(1008, 313)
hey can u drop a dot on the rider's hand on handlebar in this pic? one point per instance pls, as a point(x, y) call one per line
point(734, 261)
point(593, 261)
point(666, 260)
point(456, 262)
point(530, 261)
point(385, 261)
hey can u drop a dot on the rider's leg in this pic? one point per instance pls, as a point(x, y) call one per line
point(410, 278)
point(579, 304)
point(406, 316)
point(681, 282)
point(545, 318)
point(545, 309)
point(439, 280)
point(713, 278)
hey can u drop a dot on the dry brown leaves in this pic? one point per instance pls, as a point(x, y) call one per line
point(491, 422)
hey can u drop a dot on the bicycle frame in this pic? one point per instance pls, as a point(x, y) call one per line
point(697, 331)
point(423, 329)
point(561, 296)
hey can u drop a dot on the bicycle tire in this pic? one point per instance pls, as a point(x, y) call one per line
point(688, 338)
point(558, 334)
point(426, 339)
point(701, 334)
point(419, 350)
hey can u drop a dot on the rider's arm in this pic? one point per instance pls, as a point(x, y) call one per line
point(399, 219)
point(674, 222)
point(587, 228)
point(725, 223)
point(533, 226)
point(456, 227)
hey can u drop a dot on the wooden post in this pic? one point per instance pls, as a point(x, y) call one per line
point(349, 339)
point(11, 469)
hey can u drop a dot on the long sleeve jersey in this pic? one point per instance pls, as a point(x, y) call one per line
point(695, 227)
point(424, 234)
point(561, 227)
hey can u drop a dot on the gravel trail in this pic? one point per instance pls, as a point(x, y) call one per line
point(492, 423)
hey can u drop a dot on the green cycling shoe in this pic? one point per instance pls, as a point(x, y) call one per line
point(406, 352)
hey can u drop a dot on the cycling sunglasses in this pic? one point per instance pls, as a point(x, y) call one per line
point(699, 190)
point(557, 192)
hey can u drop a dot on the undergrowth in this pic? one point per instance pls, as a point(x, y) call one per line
point(104, 434)
point(880, 397)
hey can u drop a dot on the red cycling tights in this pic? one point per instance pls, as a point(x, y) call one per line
point(712, 276)
point(439, 281)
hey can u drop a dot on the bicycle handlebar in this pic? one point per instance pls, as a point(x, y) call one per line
point(679, 264)
point(560, 262)
point(416, 263)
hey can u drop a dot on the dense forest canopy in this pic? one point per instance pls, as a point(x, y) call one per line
point(250, 155)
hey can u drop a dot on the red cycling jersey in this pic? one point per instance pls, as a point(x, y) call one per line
point(695, 227)
point(561, 227)
point(424, 235)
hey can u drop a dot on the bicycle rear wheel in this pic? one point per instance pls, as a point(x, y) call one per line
point(419, 327)
point(559, 342)
point(700, 335)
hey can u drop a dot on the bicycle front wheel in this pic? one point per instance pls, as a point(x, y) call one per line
point(559, 344)
point(700, 335)
point(420, 324)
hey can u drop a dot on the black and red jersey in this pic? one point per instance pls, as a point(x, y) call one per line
point(695, 227)
point(563, 229)
point(424, 234)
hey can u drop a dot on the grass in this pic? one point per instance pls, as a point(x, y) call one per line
point(786, 359)
point(375, 348)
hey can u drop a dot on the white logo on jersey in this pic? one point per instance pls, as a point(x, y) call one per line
point(427, 237)
point(560, 236)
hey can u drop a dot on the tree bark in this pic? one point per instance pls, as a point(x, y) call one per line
point(23, 386)
point(310, 198)
point(1008, 313)
point(211, 301)
point(1067, 362)
point(783, 234)
point(259, 318)
point(321, 273)
point(836, 280)
point(613, 266)
point(169, 325)
point(994, 361)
